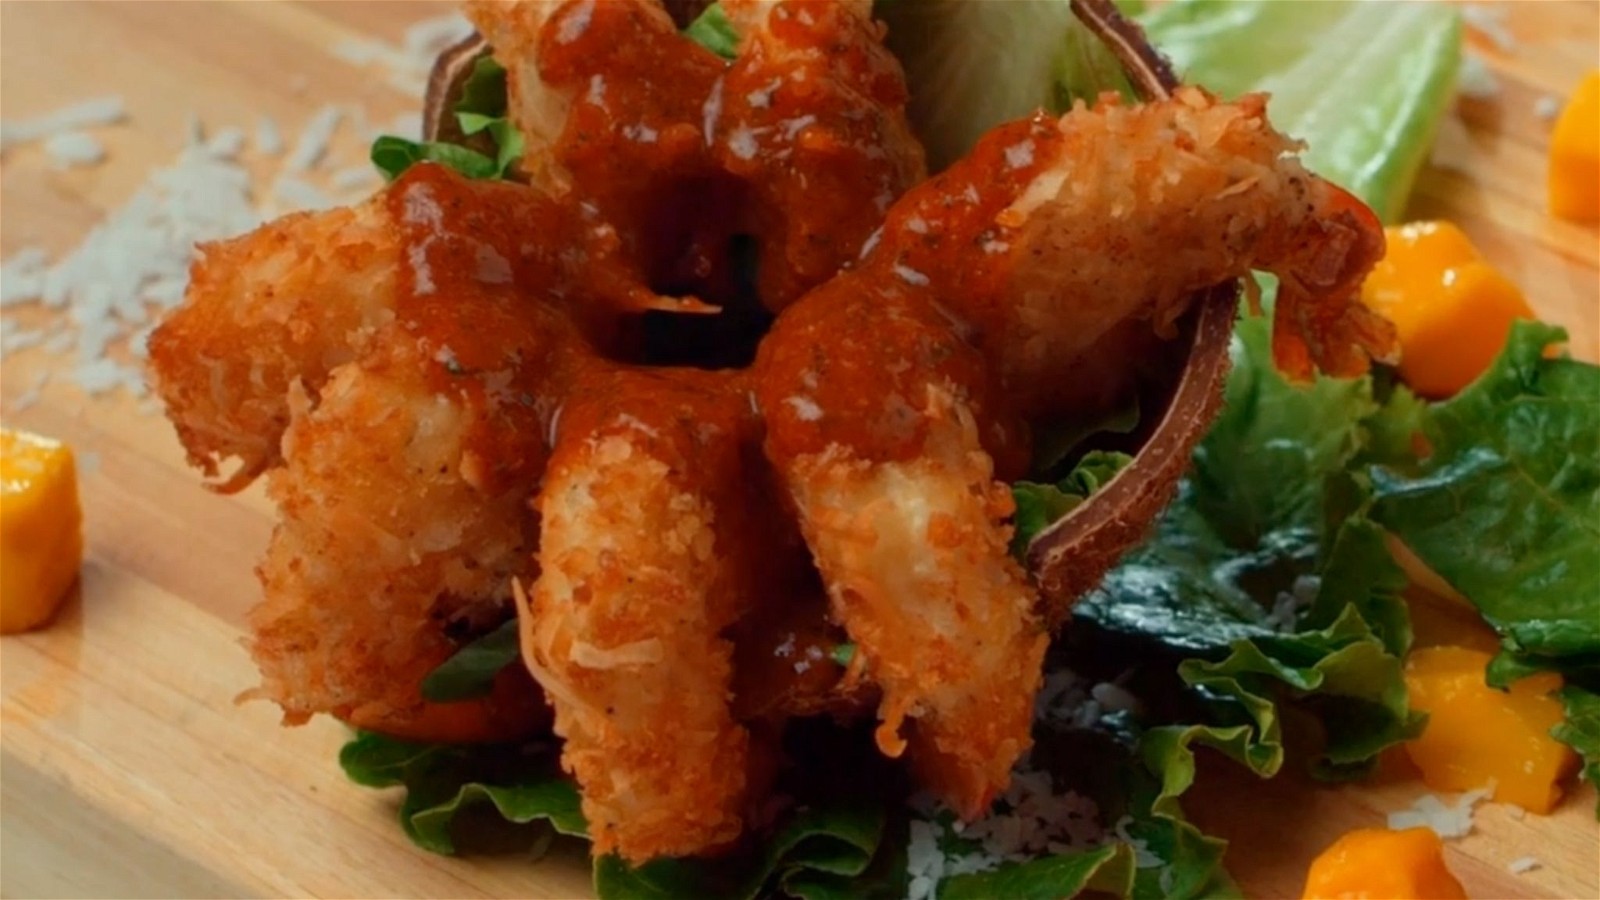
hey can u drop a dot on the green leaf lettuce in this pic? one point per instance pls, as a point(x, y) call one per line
point(1506, 508)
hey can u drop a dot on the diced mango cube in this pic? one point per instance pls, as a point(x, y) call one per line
point(41, 537)
point(1376, 864)
point(1574, 178)
point(1478, 735)
point(1451, 309)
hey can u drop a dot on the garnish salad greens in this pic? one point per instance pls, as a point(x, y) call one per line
point(1266, 592)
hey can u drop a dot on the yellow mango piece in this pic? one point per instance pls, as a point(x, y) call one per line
point(1451, 310)
point(1477, 735)
point(41, 529)
point(1574, 178)
point(1376, 864)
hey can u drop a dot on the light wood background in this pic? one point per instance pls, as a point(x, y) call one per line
point(125, 767)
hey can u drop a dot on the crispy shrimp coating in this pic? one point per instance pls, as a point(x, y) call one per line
point(433, 381)
point(609, 97)
point(879, 414)
point(385, 363)
point(894, 394)
point(598, 88)
point(386, 534)
point(800, 142)
point(284, 304)
point(649, 551)
point(811, 116)
point(1067, 228)
point(294, 299)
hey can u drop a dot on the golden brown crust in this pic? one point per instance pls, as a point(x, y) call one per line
point(649, 553)
point(406, 369)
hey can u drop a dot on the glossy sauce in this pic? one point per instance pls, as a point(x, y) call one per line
point(670, 170)
point(852, 363)
point(808, 117)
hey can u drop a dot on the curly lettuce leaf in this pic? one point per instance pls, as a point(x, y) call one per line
point(1265, 585)
point(1581, 730)
point(469, 798)
point(484, 92)
point(496, 798)
point(1191, 861)
point(1107, 870)
point(1506, 508)
point(1273, 598)
point(1150, 850)
point(838, 838)
point(1365, 85)
point(394, 155)
point(508, 141)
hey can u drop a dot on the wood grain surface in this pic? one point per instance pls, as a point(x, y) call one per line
point(126, 769)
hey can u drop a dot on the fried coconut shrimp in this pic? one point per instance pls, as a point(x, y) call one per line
point(383, 362)
point(1068, 228)
point(392, 525)
point(286, 303)
point(654, 543)
point(801, 142)
point(609, 96)
point(452, 392)
point(811, 119)
point(895, 393)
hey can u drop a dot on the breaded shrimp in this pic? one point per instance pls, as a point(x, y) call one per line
point(387, 534)
point(1067, 228)
point(649, 551)
point(879, 414)
point(284, 304)
point(599, 87)
point(894, 393)
point(287, 303)
point(397, 362)
point(432, 380)
point(609, 98)
point(801, 142)
point(811, 117)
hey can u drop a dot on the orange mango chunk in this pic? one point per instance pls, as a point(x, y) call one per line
point(41, 536)
point(1574, 176)
point(1451, 310)
point(1377, 864)
point(1478, 735)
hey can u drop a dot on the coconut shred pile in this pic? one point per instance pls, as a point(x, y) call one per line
point(1034, 816)
point(99, 300)
point(1030, 819)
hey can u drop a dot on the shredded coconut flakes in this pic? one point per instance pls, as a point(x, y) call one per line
point(1447, 821)
point(71, 149)
point(1523, 864)
point(132, 266)
point(315, 139)
point(269, 138)
point(1476, 80)
point(108, 110)
point(1030, 819)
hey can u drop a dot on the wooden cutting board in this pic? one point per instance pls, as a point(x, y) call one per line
point(127, 770)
